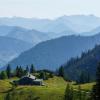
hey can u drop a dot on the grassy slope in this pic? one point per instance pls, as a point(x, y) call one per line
point(4, 87)
point(85, 87)
point(53, 90)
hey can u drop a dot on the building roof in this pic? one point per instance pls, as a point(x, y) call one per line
point(30, 76)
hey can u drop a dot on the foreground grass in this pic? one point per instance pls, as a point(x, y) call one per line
point(86, 87)
point(53, 90)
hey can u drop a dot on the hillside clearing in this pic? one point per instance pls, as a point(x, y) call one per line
point(53, 90)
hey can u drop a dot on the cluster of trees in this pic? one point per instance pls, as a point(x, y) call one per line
point(19, 72)
point(75, 94)
point(45, 74)
point(95, 95)
point(83, 65)
point(60, 72)
point(6, 74)
point(84, 76)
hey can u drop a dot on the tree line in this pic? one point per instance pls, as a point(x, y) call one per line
point(20, 71)
point(84, 76)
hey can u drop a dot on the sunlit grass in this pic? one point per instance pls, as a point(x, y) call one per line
point(53, 90)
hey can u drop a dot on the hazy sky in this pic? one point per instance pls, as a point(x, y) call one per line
point(48, 8)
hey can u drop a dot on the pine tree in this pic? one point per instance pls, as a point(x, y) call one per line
point(27, 69)
point(19, 71)
point(8, 71)
point(82, 78)
point(96, 88)
point(61, 71)
point(32, 69)
point(68, 93)
point(88, 79)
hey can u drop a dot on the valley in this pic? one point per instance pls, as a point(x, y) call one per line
point(62, 53)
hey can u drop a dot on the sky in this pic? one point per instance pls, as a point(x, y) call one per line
point(48, 8)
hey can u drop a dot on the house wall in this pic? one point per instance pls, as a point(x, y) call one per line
point(29, 81)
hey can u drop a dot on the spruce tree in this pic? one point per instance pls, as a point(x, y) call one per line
point(82, 78)
point(8, 71)
point(96, 88)
point(68, 92)
point(32, 69)
point(61, 71)
point(27, 69)
point(88, 79)
point(21, 71)
point(17, 71)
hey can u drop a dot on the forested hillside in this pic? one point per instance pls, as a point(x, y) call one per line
point(85, 65)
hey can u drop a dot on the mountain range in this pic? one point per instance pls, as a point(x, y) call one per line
point(57, 34)
point(30, 36)
point(11, 48)
point(52, 53)
point(73, 23)
point(14, 40)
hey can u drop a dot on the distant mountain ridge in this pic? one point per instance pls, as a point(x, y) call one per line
point(73, 23)
point(52, 53)
point(33, 31)
point(4, 30)
point(14, 40)
point(11, 48)
point(30, 36)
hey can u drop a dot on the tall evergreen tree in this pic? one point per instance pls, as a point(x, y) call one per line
point(68, 92)
point(88, 79)
point(84, 77)
point(19, 71)
point(61, 71)
point(8, 71)
point(96, 88)
point(27, 69)
point(32, 69)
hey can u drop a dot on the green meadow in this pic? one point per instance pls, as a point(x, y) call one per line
point(54, 89)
